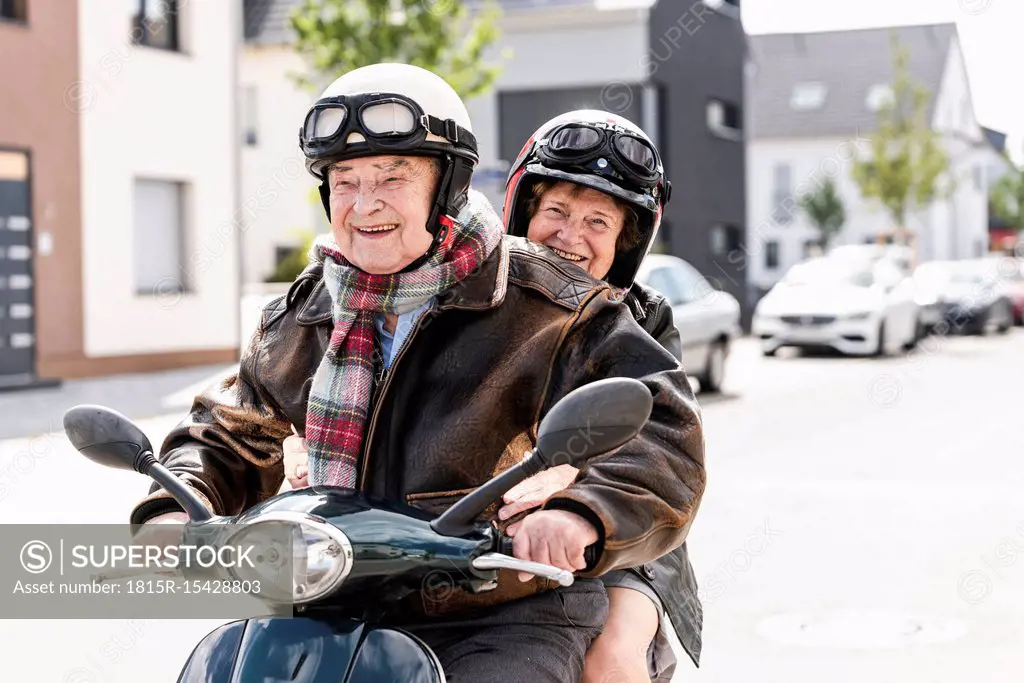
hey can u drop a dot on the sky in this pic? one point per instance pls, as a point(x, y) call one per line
point(991, 36)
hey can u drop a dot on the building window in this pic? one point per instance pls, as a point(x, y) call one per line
point(879, 95)
point(159, 237)
point(249, 114)
point(14, 10)
point(726, 239)
point(782, 194)
point(977, 178)
point(155, 23)
point(812, 248)
point(808, 96)
point(771, 255)
point(724, 119)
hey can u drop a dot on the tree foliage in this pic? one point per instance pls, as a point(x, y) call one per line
point(1007, 197)
point(907, 167)
point(825, 209)
point(336, 36)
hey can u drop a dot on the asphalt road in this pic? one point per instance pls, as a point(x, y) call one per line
point(862, 523)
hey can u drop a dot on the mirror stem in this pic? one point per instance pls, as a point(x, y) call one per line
point(458, 520)
point(194, 508)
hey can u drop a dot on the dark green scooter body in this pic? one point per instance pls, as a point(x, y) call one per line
point(345, 638)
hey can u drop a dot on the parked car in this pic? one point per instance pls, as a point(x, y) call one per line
point(855, 306)
point(1011, 270)
point(708, 319)
point(930, 280)
point(971, 296)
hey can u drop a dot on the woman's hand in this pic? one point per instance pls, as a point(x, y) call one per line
point(296, 461)
point(532, 492)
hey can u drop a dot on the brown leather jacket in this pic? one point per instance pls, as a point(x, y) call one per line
point(462, 402)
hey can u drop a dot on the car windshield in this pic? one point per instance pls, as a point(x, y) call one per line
point(829, 272)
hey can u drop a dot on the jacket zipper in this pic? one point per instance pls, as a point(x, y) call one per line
point(378, 397)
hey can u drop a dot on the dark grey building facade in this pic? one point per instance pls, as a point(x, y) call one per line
point(697, 65)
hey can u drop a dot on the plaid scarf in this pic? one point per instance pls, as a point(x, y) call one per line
point(339, 399)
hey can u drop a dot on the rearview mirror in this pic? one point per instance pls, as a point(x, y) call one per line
point(594, 419)
point(106, 437)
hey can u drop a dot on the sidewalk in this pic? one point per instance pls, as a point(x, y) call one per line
point(139, 396)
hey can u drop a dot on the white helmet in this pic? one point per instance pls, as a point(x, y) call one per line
point(393, 109)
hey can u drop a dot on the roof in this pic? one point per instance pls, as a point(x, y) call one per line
point(995, 138)
point(848, 64)
point(267, 21)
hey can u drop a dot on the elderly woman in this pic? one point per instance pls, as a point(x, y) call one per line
point(590, 186)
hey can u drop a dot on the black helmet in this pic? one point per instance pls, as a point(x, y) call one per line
point(603, 151)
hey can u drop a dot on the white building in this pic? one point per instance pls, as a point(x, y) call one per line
point(159, 179)
point(813, 102)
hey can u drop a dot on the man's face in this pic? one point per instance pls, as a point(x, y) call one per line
point(379, 210)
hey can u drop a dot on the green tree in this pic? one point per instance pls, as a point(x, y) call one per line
point(289, 268)
point(825, 209)
point(336, 36)
point(1007, 197)
point(906, 168)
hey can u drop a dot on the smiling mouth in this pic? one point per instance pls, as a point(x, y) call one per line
point(568, 256)
point(371, 229)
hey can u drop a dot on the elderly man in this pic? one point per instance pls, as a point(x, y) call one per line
point(418, 354)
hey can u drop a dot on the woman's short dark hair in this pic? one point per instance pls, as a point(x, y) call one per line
point(628, 238)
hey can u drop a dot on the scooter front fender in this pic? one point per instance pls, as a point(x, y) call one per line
point(303, 650)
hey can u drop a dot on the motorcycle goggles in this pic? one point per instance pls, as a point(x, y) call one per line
point(388, 122)
point(634, 159)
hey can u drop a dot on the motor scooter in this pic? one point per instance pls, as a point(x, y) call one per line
point(354, 558)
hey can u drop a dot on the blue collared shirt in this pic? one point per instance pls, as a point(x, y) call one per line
point(391, 344)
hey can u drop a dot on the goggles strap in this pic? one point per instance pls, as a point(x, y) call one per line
point(449, 130)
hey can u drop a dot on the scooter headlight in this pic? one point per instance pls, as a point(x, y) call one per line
point(300, 558)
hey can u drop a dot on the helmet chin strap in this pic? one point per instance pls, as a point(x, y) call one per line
point(439, 224)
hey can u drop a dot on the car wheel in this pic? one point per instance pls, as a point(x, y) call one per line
point(990, 322)
point(769, 353)
point(881, 351)
point(916, 336)
point(714, 370)
point(1007, 320)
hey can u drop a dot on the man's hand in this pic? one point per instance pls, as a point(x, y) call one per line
point(555, 537)
point(532, 492)
point(296, 461)
point(156, 531)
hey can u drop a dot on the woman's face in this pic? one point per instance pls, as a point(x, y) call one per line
point(579, 224)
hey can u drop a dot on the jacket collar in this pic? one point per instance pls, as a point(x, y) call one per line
point(483, 289)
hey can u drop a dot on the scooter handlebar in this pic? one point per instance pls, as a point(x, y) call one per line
point(505, 548)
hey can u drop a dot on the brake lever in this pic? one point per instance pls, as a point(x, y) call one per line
point(545, 571)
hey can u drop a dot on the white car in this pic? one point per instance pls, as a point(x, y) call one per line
point(708, 320)
point(854, 306)
point(901, 256)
